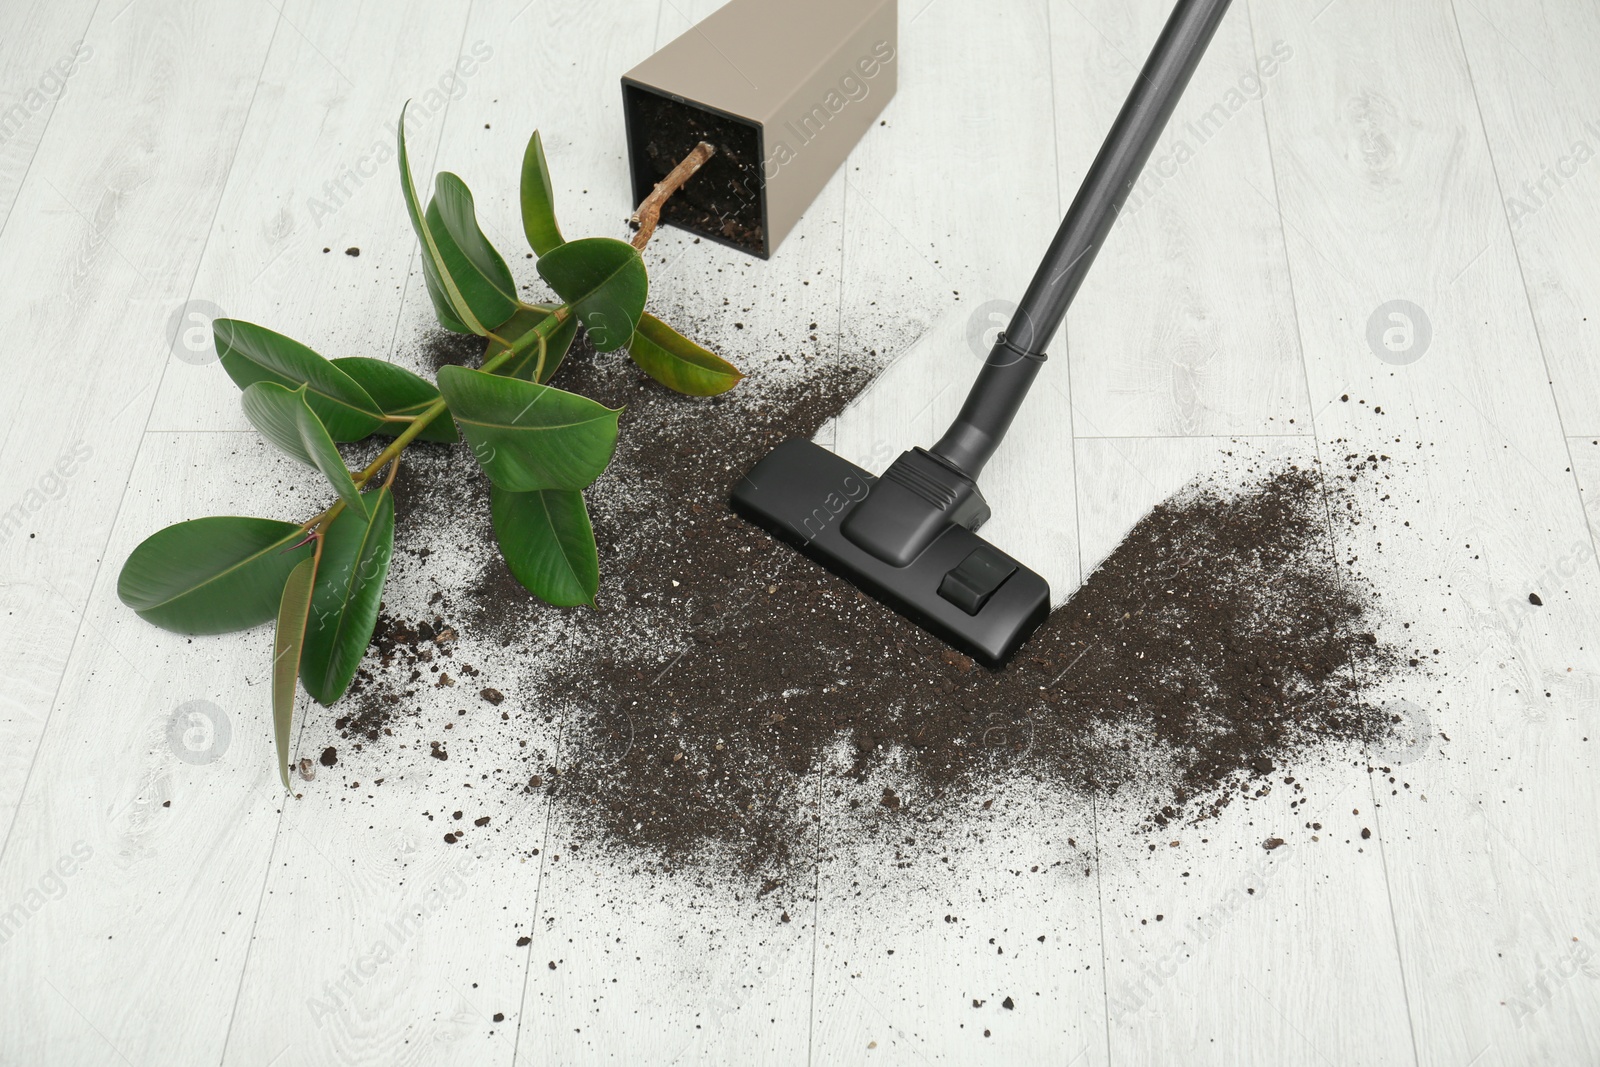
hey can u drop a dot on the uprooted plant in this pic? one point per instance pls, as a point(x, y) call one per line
point(539, 445)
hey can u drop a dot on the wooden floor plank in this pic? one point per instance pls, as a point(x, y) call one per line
point(1388, 193)
point(317, 182)
point(451, 992)
point(159, 901)
point(1544, 135)
point(1185, 326)
point(1586, 465)
point(157, 776)
point(925, 937)
point(948, 205)
point(407, 966)
point(102, 242)
point(1206, 933)
point(42, 49)
point(674, 966)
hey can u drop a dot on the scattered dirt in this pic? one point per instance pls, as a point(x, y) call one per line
point(727, 694)
point(404, 658)
point(723, 200)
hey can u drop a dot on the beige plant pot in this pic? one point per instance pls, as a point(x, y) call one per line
point(783, 88)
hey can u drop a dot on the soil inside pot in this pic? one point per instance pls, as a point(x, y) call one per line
point(728, 694)
point(724, 199)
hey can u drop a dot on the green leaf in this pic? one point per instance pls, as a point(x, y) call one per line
point(344, 602)
point(284, 418)
point(252, 353)
point(398, 392)
point(538, 201)
point(479, 273)
point(212, 575)
point(443, 312)
point(528, 436)
point(293, 611)
point(556, 345)
point(605, 282)
point(548, 543)
point(450, 305)
point(677, 362)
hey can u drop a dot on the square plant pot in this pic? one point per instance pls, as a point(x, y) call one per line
point(782, 88)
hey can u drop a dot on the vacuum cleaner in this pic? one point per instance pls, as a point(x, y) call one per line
point(909, 538)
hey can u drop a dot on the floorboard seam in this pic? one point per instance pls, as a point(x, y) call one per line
point(94, 579)
point(45, 130)
point(1077, 527)
point(1311, 407)
point(816, 895)
point(222, 195)
point(1522, 276)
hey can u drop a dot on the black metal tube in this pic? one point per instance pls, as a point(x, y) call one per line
point(1011, 366)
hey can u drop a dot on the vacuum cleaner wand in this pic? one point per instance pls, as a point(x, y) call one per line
point(907, 538)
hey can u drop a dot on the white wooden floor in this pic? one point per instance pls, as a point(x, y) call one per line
point(1439, 152)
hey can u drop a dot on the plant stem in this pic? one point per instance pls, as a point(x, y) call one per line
point(645, 218)
point(398, 445)
point(538, 334)
point(425, 417)
point(320, 522)
point(316, 553)
point(315, 519)
point(544, 349)
point(649, 212)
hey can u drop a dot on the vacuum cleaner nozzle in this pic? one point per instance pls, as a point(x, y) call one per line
point(957, 585)
point(908, 538)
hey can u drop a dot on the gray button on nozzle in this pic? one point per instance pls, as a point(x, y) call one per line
point(974, 580)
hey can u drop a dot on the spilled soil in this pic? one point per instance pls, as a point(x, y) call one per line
point(727, 694)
